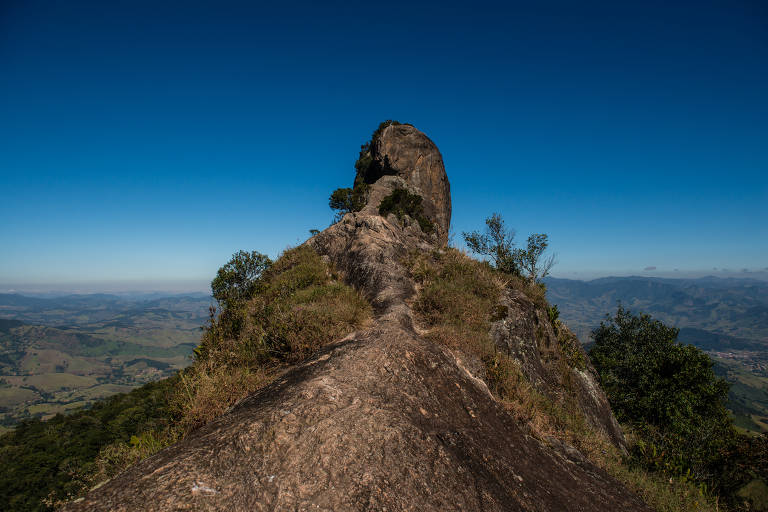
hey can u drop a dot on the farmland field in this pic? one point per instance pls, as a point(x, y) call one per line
point(58, 354)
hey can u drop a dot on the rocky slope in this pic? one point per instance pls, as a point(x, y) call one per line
point(385, 419)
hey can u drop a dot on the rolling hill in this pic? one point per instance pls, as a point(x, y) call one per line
point(61, 353)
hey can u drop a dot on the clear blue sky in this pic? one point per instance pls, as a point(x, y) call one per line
point(148, 141)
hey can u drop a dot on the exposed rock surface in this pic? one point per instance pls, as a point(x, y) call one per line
point(381, 420)
point(525, 332)
point(402, 150)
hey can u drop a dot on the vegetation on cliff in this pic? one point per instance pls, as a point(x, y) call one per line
point(300, 304)
point(458, 299)
point(274, 315)
point(365, 164)
point(666, 394)
point(346, 200)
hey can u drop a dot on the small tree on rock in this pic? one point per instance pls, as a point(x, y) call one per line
point(496, 243)
point(530, 260)
point(401, 203)
point(346, 200)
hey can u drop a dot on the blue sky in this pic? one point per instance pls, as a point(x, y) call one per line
point(146, 142)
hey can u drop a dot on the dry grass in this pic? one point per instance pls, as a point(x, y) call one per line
point(660, 493)
point(457, 301)
point(456, 294)
point(208, 391)
point(301, 305)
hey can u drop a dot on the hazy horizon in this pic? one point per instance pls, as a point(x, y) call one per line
point(192, 286)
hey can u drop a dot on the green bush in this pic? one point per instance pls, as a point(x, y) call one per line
point(401, 203)
point(667, 391)
point(238, 279)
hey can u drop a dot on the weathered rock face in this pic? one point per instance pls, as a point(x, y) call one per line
point(380, 420)
point(525, 332)
point(368, 249)
point(402, 150)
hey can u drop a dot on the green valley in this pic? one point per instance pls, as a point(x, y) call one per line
point(59, 354)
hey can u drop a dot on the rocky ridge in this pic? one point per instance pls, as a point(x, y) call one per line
point(385, 419)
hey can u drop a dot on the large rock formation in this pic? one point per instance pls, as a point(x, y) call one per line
point(380, 420)
point(402, 150)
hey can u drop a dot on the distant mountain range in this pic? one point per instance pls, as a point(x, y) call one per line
point(713, 313)
point(726, 317)
point(60, 310)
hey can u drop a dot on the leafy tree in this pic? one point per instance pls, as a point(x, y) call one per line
point(497, 242)
point(666, 390)
point(530, 260)
point(238, 279)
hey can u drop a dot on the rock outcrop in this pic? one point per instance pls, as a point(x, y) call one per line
point(402, 150)
point(382, 419)
point(553, 361)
